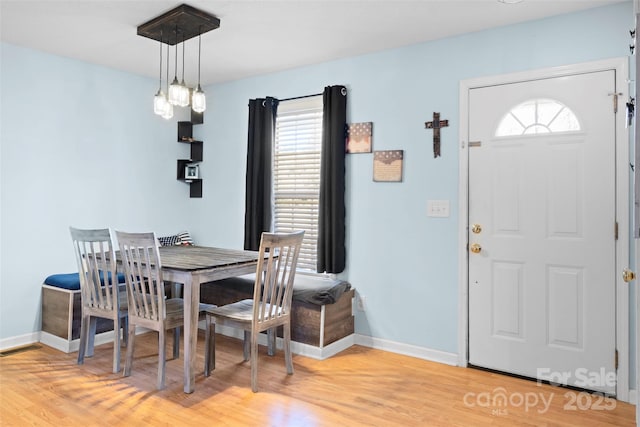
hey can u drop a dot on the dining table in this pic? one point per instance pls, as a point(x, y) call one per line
point(192, 266)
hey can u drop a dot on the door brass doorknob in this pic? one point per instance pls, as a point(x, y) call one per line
point(628, 275)
point(475, 248)
point(476, 228)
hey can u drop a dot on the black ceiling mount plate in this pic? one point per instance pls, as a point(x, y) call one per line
point(188, 20)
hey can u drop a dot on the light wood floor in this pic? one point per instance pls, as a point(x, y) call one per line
point(358, 387)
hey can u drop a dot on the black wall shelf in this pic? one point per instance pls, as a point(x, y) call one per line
point(185, 135)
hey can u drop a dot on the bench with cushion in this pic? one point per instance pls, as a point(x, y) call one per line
point(321, 308)
point(62, 305)
point(62, 312)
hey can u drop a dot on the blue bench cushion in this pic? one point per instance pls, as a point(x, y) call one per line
point(71, 281)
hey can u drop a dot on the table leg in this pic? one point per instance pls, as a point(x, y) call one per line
point(176, 333)
point(191, 304)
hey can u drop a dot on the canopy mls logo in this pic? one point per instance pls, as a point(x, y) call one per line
point(580, 377)
point(499, 401)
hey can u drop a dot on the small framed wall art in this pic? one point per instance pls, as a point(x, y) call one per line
point(387, 165)
point(192, 172)
point(359, 137)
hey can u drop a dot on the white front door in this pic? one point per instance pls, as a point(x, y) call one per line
point(542, 188)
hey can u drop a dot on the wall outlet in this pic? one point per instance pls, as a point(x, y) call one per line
point(361, 302)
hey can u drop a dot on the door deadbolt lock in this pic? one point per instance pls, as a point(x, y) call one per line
point(475, 248)
point(476, 228)
point(628, 275)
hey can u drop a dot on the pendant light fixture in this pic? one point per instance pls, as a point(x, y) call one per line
point(160, 100)
point(179, 25)
point(198, 100)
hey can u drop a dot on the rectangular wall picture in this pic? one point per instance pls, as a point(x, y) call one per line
point(359, 137)
point(387, 165)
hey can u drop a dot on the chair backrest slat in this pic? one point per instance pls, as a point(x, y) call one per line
point(275, 275)
point(143, 273)
point(95, 256)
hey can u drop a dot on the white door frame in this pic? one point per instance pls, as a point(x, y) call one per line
point(621, 67)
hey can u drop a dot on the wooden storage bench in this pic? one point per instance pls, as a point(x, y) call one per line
point(62, 311)
point(321, 309)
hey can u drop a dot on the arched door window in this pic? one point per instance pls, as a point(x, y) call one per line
point(538, 116)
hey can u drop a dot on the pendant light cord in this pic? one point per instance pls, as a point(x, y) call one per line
point(160, 77)
point(183, 57)
point(199, 52)
point(176, 55)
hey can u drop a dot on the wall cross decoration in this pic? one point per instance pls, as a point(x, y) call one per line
point(436, 125)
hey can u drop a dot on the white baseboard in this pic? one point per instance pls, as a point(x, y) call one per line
point(633, 397)
point(296, 347)
point(73, 345)
point(408, 350)
point(19, 341)
point(346, 342)
point(325, 352)
point(106, 337)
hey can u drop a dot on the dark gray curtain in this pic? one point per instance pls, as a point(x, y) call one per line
point(331, 228)
point(257, 214)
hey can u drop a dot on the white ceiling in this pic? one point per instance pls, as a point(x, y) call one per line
point(256, 36)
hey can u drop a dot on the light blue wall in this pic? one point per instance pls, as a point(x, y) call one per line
point(80, 146)
point(405, 263)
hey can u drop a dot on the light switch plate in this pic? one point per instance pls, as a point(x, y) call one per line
point(438, 208)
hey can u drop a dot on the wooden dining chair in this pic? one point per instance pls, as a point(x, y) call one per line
point(99, 288)
point(269, 308)
point(148, 306)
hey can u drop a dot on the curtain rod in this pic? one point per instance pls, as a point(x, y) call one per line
point(299, 97)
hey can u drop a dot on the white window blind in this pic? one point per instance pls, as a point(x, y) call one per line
point(296, 172)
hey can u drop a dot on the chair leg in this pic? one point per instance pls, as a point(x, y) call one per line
point(246, 345)
point(93, 321)
point(254, 361)
point(84, 330)
point(130, 344)
point(209, 346)
point(212, 354)
point(116, 345)
point(271, 341)
point(162, 358)
point(124, 324)
point(286, 335)
point(176, 342)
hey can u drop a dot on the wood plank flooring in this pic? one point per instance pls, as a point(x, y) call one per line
point(358, 387)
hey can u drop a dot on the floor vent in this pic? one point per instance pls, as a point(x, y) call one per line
point(16, 350)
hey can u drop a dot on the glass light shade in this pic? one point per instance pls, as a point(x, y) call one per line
point(183, 96)
point(159, 103)
point(174, 92)
point(198, 100)
point(168, 111)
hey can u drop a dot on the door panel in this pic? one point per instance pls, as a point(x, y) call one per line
point(542, 286)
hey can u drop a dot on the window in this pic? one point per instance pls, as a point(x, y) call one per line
point(538, 116)
point(296, 173)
